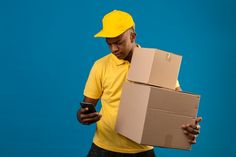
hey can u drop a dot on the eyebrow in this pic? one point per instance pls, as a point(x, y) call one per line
point(117, 41)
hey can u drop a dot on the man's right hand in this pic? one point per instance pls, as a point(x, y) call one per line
point(87, 118)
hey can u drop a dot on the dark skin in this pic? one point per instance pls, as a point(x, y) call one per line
point(122, 47)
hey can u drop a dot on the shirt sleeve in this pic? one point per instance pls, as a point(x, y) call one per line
point(93, 87)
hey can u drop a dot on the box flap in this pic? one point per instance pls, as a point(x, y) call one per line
point(140, 72)
point(173, 101)
point(166, 65)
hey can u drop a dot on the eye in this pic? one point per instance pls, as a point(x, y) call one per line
point(120, 42)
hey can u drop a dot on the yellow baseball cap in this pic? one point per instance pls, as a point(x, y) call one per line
point(115, 23)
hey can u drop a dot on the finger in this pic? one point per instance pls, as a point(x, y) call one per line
point(192, 141)
point(184, 126)
point(185, 132)
point(196, 132)
point(195, 129)
point(89, 115)
point(198, 120)
point(91, 120)
point(198, 127)
point(195, 126)
point(84, 110)
point(189, 129)
point(191, 137)
point(79, 113)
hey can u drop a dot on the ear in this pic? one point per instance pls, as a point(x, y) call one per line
point(132, 37)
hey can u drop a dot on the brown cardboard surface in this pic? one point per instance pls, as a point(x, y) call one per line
point(132, 115)
point(154, 67)
point(165, 128)
point(154, 116)
point(187, 103)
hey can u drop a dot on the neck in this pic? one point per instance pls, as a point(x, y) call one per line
point(129, 57)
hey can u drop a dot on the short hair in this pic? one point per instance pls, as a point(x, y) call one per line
point(132, 29)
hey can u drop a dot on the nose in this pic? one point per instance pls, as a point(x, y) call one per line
point(114, 47)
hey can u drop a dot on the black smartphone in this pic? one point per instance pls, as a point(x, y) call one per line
point(90, 106)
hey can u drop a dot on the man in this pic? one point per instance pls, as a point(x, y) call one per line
point(105, 82)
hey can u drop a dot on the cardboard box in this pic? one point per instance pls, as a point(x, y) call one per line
point(154, 67)
point(153, 116)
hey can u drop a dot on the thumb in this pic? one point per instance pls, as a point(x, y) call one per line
point(198, 120)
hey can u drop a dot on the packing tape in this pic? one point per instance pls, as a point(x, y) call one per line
point(168, 140)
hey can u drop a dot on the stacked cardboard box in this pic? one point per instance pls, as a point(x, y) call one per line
point(151, 112)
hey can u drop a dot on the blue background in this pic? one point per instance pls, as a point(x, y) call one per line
point(47, 49)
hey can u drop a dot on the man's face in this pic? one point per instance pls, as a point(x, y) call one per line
point(122, 45)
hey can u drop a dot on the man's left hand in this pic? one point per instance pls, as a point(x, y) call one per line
point(192, 130)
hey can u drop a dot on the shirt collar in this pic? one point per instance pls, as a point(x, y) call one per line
point(116, 60)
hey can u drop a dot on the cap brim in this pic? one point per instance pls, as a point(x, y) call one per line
point(104, 34)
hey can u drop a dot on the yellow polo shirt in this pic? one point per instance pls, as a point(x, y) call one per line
point(105, 82)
